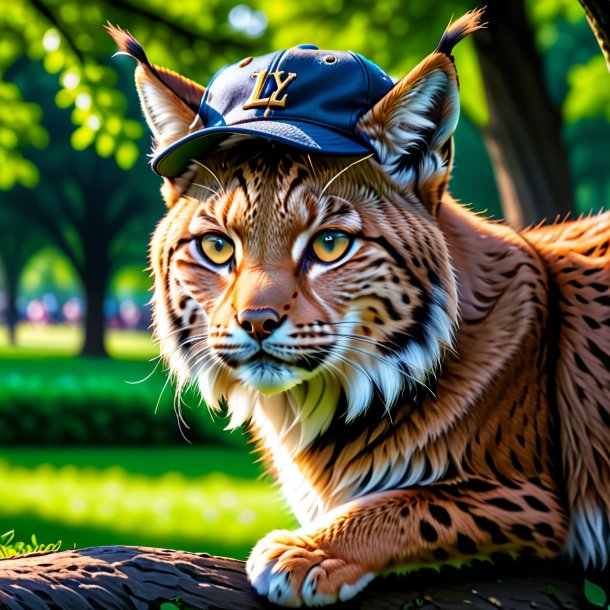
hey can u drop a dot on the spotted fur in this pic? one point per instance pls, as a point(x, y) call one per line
point(442, 392)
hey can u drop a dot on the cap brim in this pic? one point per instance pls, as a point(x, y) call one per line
point(309, 137)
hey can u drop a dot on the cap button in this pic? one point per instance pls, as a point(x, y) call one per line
point(308, 46)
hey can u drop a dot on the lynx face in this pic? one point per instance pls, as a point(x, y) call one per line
point(277, 273)
point(292, 286)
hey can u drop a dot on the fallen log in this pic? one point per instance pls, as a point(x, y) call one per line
point(122, 578)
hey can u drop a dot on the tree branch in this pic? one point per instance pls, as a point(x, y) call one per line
point(144, 578)
point(191, 35)
point(51, 18)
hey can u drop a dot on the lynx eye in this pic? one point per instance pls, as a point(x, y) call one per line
point(330, 245)
point(217, 248)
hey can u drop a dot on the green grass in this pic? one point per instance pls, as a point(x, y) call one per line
point(190, 461)
point(49, 368)
point(204, 498)
point(178, 498)
point(61, 399)
point(10, 547)
point(35, 341)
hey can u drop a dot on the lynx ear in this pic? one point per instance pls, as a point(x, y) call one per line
point(411, 128)
point(170, 102)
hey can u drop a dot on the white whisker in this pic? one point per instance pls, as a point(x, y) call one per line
point(161, 394)
point(313, 171)
point(207, 188)
point(342, 171)
point(210, 171)
point(158, 359)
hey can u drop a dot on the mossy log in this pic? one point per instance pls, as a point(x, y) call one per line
point(122, 578)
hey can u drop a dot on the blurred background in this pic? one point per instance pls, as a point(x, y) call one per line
point(90, 448)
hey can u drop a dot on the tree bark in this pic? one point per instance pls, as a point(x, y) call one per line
point(144, 578)
point(11, 314)
point(95, 281)
point(523, 134)
point(15, 255)
point(598, 16)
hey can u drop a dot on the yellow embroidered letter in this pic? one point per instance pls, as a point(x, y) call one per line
point(255, 101)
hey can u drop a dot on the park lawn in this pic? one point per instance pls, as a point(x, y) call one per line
point(208, 498)
point(81, 400)
point(37, 340)
point(198, 499)
point(50, 367)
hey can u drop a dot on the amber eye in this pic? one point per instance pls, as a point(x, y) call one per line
point(330, 245)
point(217, 248)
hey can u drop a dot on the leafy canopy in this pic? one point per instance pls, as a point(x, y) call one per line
point(196, 38)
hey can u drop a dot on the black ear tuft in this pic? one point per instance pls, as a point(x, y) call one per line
point(465, 25)
point(187, 90)
point(127, 44)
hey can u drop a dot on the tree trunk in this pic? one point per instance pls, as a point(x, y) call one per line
point(523, 134)
point(11, 316)
point(598, 16)
point(144, 578)
point(95, 281)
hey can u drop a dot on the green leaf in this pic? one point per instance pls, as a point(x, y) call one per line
point(28, 174)
point(126, 155)
point(594, 593)
point(132, 129)
point(54, 61)
point(82, 137)
point(104, 145)
point(586, 98)
point(64, 98)
point(473, 100)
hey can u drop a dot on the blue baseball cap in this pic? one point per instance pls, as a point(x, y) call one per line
point(302, 97)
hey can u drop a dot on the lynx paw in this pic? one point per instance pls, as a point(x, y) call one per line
point(292, 570)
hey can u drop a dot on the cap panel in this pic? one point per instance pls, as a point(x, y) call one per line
point(304, 97)
point(232, 88)
point(322, 92)
point(358, 112)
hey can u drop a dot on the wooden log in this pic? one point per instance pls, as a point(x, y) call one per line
point(121, 578)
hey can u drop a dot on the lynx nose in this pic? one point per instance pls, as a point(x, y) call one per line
point(259, 322)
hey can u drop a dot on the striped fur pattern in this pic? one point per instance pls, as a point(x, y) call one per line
point(441, 392)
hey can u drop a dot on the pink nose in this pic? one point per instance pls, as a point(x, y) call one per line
point(259, 322)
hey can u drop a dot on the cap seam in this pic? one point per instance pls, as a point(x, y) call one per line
point(275, 63)
point(204, 97)
point(353, 119)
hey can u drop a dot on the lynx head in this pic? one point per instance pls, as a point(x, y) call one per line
point(297, 285)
